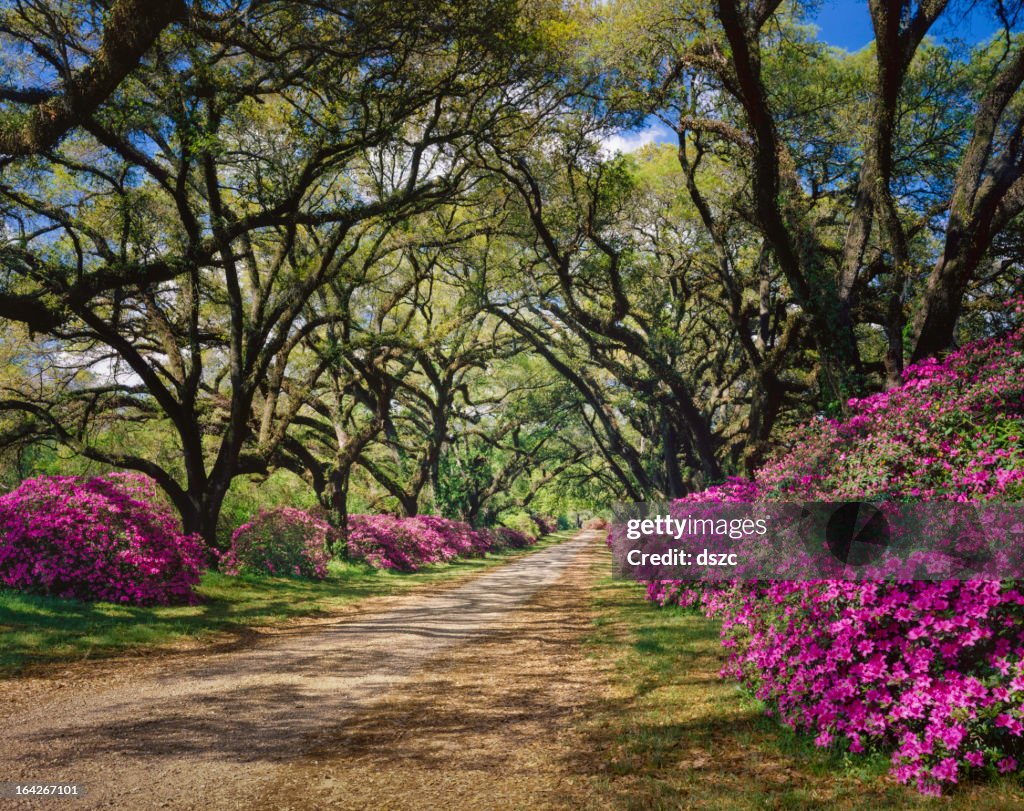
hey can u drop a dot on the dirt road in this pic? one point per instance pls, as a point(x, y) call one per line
point(462, 699)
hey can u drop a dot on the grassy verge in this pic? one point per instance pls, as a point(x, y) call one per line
point(673, 735)
point(41, 630)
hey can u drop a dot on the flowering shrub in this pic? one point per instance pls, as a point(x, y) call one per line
point(545, 524)
point(932, 672)
point(508, 538)
point(406, 544)
point(521, 522)
point(284, 541)
point(104, 538)
point(953, 430)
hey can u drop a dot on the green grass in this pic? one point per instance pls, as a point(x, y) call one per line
point(672, 734)
point(43, 630)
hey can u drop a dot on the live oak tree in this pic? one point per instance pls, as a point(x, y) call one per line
point(832, 153)
point(384, 245)
point(524, 436)
point(987, 196)
point(385, 323)
point(621, 281)
point(432, 401)
point(75, 56)
point(186, 228)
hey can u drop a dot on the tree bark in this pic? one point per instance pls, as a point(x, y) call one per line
point(988, 194)
point(131, 29)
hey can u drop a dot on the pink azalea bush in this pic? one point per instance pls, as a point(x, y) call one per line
point(407, 544)
point(507, 538)
point(546, 524)
point(285, 541)
point(105, 538)
point(931, 672)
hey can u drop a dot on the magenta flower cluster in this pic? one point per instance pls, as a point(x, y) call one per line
point(546, 524)
point(285, 542)
point(105, 538)
point(953, 430)
point(931, 672)
point(406, 544)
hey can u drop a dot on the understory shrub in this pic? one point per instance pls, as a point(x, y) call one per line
point(521, 522)
point(283, 541)
point(407, 544)
point(508, 538)
point(930, 672)
point(106, 538)
point(545, 525)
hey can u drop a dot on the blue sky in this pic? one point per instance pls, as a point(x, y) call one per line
point(846, 23)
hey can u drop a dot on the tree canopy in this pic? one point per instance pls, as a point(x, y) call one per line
point(383, 250)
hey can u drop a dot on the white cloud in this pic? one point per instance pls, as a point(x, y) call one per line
point(104, 368)
point(630, 141)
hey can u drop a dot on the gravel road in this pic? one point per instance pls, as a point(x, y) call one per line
point(212, 729)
